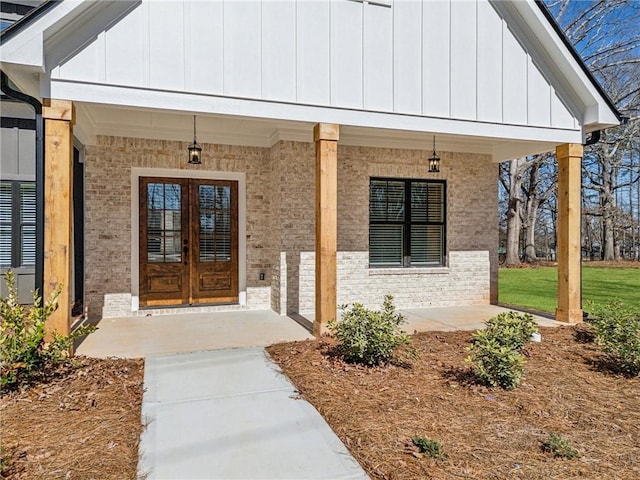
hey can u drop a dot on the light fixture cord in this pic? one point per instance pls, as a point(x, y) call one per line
point(194, 129)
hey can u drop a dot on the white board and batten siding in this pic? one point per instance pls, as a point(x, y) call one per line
point(452, 59)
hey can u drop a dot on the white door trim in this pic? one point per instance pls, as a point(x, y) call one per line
point(137, 172)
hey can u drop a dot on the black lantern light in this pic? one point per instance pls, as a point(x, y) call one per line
point(194, 148)
point(434, 159)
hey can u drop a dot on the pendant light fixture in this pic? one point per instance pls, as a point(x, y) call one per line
point(434, 159)
point(194, 149)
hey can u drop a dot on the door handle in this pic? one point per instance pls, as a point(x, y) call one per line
point(185, 253)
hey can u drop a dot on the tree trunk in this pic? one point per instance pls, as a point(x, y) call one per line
point(514, 225)
point(530, 233)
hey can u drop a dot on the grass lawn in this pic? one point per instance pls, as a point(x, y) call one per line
point(536, 288)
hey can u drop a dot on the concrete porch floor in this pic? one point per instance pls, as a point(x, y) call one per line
point(133, 337)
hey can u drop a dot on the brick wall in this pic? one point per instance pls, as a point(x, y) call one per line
point(108, 211)
point(280, 227)
point(472, 239)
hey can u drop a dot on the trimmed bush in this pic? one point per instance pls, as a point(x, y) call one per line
point(368, 336)
point(496, 351)
point(617, 330)
point(24, 353)
point(512, 329)
point(495, 364)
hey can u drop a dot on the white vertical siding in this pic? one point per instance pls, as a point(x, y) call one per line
point(441, 58)
point(489, 60)
point(242, 49)
point(346, 53)
point(463, 59)
point(560, 116)
point(125, 50)
point(378, 58)
point(407, 66)
point(204, 40)
point(436, 65)
point(313, 46)
point(88, 64)
point(279, 50)
point(166, 34)
point(538, 97)
point(514, 80)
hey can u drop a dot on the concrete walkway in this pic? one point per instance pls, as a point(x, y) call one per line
point(231, 414)
point(133, 337)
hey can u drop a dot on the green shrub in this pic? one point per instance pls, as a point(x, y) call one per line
point(617, 329)
point(369, 336)
point(496, 351)
point(495, 364)
point(512, 329)
point(431, 448)
point(559, 447)
point(24, 353)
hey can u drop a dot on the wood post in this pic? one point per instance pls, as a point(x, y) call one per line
point(59, 117)
point(326, 138)
point(569, 158)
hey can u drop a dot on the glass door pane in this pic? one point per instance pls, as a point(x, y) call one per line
point(215, 223)
point(164, 223)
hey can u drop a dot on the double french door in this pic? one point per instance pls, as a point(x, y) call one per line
point(188, 241)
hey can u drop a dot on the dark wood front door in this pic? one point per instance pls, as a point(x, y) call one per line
point(188, 241)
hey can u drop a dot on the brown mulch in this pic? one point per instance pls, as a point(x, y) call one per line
point(487, 433)
point(83, 423)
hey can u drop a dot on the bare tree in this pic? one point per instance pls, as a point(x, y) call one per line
point(606, 35)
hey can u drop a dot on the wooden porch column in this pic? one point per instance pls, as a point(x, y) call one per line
point(59, 117)
point(325, 136)
point(568, 249)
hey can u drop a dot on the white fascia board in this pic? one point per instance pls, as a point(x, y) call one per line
point(209, 104)
point(26, 47)
point(597, 110)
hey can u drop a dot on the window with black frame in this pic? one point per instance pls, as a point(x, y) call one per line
point(17, 223)
point(407, 222)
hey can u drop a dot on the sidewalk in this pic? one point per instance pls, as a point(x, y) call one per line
point(231, 414)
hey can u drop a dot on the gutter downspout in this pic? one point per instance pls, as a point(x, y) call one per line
point(37, 106)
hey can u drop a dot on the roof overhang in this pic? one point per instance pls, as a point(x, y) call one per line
point(545, 35)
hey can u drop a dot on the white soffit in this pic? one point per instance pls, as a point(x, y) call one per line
point(94, 120)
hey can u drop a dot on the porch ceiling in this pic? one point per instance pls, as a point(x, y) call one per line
point(96, 119)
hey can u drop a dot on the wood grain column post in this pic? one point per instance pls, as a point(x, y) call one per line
point(569, 240)
point(326, 138)
point(59, 117)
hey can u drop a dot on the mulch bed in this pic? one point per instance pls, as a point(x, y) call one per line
point(81, 423)
point(487, 433)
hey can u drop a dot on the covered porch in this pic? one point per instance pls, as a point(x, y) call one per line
point(294, 253)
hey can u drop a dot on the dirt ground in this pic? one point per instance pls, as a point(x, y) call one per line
point(487, 433)
point(84, 423)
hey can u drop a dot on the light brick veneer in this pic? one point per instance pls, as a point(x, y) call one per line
point(472, 218)
point(280, 226)
point(108, 211)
